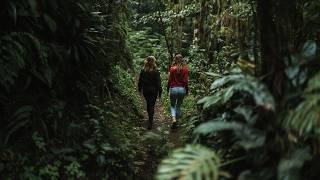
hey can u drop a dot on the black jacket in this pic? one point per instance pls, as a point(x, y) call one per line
point(150, 81)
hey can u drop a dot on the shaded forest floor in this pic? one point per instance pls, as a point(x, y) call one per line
point(158, 141)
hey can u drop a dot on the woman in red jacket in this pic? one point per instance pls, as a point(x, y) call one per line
point(177, 86)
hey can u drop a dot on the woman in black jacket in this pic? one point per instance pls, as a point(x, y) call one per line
point(150, 85)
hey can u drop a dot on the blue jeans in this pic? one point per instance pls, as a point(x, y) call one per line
point(176, 98)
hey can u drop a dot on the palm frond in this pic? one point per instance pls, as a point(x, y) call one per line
point(192, 162)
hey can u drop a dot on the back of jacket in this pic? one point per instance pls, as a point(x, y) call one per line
point(150, 81)
point(178, 78)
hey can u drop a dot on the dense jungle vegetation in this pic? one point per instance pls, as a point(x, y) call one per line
point(70, 109)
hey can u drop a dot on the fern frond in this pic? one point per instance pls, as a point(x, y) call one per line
point(192, 162)
point(305, 118)
point(313, 84)
point(224, 88)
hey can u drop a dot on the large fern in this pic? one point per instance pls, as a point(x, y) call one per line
point(192, 162)
point(305, 118)
point(224, 88)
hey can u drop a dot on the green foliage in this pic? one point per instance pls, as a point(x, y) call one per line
point(240, 116)
point(127, 88)
point(311, 17)
point(240, 10)
point(190, 162)
point(15, 48)
point(304, 119)
point(45, 70)
point(145, 43)
point(157, 144)
point(247, 137)
point(73, 170)
point(238, 109)
point(313, 84)
point(169, 16)
point(309, 50)
point(216, 125)
point(224, 88)
point(39, 141)
point(289, 166)
point(241, 113)
point(188, 120)
point(57, 95)
point(50, 172)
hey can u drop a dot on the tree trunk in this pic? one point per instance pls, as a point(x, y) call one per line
point(272, 62)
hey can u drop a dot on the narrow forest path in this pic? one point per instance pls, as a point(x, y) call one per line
point(162, 123)
point(166, 138)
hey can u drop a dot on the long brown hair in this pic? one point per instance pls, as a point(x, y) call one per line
point(179, 62)
point(150, 64)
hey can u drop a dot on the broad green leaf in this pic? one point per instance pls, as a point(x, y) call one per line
point(190, 162)
point(247, 113)
point(292, 71)
point(309, 49)
point(216, 125)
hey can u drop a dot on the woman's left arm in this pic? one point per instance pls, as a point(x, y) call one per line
point(186, 80)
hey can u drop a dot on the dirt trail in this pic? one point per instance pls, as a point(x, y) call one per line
point(162, 123)
point(161, 127)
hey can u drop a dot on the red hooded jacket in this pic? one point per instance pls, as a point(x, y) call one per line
point(178, 78)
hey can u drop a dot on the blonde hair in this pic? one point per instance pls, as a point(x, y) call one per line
point(179, 62)
point(150, 64)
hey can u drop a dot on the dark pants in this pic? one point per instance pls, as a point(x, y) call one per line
point(150, 94)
